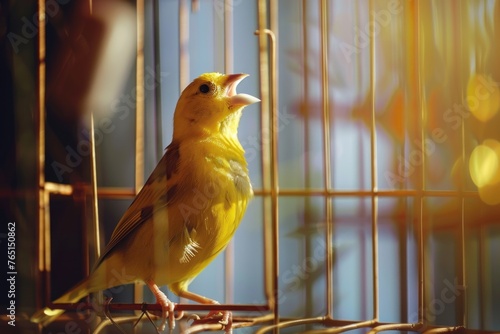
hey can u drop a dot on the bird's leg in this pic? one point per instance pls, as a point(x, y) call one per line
point(227, 317)
point(166, 305)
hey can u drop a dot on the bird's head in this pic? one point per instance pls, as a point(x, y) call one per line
point(210, 105)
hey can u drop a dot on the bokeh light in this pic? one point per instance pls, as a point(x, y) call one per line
point(490, 194)
point(484, 167)
point(483, 97)
point(495, 146)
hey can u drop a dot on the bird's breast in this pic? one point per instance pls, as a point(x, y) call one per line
point(230, 176)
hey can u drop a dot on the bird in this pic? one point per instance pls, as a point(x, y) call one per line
point(190, 206)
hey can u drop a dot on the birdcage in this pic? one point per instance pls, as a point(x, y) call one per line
point(374, 156)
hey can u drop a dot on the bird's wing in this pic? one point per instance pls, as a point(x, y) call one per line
point(159, 191)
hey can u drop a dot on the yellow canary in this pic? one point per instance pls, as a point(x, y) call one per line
point(190, 206)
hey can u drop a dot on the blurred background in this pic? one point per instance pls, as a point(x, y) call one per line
point(374, 155)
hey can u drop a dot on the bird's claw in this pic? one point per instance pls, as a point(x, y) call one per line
point(167, 312)
point(167, 307)
point(193, 316)
point(226, 320)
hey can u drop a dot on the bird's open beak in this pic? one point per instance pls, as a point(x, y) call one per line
point(236, 100)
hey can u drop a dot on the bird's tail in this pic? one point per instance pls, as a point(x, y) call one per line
point(47, 315)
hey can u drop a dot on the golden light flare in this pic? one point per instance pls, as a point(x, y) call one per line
point(483, 97)
point(490, 194)
point(483, 164)
point(484, 168)
point(495, 146)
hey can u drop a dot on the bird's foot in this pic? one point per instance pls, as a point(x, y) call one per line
point(167, 310)
point(226, 320)
point(167, 307)
point(227, 317)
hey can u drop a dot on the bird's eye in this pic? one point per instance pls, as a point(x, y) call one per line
point(204, 88)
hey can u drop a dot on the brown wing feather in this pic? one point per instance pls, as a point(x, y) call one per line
point(159, 191)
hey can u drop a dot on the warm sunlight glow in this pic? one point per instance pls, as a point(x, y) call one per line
point(483, 165)
point(483, 97)
point(489, 192)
